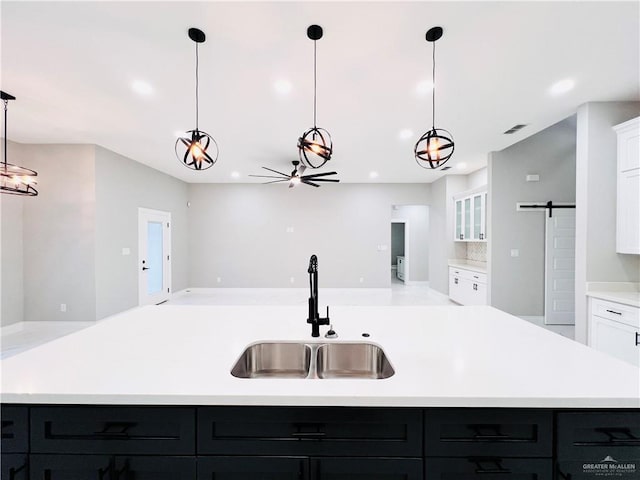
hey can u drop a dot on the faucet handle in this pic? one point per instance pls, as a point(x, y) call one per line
point(331, 333)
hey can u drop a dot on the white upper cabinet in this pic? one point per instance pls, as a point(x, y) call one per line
point(470, 216)
point(628, 190)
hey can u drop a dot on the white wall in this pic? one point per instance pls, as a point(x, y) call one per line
point(239, 233)
point(417, 217)
point(11, 249)
point(596, 258)
point(477, 179)
point(517, 283)
point(441, 230)
point(59, 234)
point(123, 185)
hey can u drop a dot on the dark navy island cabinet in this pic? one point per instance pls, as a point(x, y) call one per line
point(85, 442)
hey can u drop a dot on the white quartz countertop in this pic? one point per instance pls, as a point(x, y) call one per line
point(442, 356)
point(480, 267)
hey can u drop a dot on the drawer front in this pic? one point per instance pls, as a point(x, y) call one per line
point(106, 467)
point(113, 430)
point(14, 466)
point(366, 469)
point(310, 431)
point(253, 468)
point(616, 311)
point(488, 432)
point(468, 274)
point(488, 468)
point(595, 436)
point(601, 469)
point(15, 429)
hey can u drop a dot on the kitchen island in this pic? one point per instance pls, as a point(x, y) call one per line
point(475, 391)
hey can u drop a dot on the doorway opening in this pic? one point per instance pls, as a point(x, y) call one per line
point(399, 250)
point(154, 256)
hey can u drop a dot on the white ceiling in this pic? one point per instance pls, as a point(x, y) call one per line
point(71, 66)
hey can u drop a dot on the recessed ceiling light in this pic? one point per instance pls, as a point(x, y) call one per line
point(282, 86)
point(563, 86)
point(461, 166)
point(424, 87)
point(405, 134)
point(142, 88)
point(235, 174)
point(373, 174)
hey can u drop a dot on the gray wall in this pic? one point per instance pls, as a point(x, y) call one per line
point(596, 170)
point(11, 250)
point(59, 234)
point(441, 229)
point(417, 261)
point(397, 242)
point(517, 283)
point(239, 233)
point(123, 185)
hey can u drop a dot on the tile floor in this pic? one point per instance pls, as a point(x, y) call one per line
point(25, 335)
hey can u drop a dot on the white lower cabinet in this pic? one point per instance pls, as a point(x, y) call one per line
point(467, 287)
point(614, 328)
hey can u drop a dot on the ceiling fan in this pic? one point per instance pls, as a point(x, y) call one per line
point(296, 176)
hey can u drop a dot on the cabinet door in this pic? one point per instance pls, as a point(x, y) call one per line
point(366, 469)
point(459, 234)
point(467, 218)
point(14, 466)
point(478, 294)
point(15, 429)
point(628, 212)
point(253, 468)
point(617, 339)
point(488, 468)
point(478, 216)
point(455, 288)
point(71, 467)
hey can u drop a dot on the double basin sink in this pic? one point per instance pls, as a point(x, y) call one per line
point(313, 361)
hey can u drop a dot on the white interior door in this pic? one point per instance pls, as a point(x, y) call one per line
point(154, 256)
point(560, 241)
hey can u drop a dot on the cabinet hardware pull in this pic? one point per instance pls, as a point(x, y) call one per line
point(487, 432)
point(475, 286)
point(496, 468)
point(621, 435)
point(455, 281)
point(116, 429)
point(475, 276)
point(613, 311)
point(14, 471)
point(637, 339)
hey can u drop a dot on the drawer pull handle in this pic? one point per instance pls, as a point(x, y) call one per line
point(496, 465)
point(488, 432)
point(620, 435)
point(116, 429)
point(308, 434)
point(637, 338)
point(613, 311)
point(14, 471)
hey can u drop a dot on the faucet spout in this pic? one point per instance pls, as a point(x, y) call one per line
point(314, 316)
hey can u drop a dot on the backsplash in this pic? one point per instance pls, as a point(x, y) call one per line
point(477, 251)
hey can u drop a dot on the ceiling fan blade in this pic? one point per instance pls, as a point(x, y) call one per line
point(321, 174)
point(276, 181)
point(301, 169)
point(275, 171)
point(268, 176)
point(324, 180)
point(310, 183)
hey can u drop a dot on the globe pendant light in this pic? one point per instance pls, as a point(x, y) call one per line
point(436, 146)
point(15, 180)
point(197, 150)
point(315, 146)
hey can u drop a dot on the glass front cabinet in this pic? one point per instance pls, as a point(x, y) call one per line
point(471, 217)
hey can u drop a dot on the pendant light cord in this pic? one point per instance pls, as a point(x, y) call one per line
point(433, 92)
point(314, 83)
point(196, 85)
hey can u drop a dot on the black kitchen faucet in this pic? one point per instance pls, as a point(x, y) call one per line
point(314, 317)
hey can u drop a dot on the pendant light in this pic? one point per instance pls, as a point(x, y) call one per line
point(15, 180)
point(436, 146)
point(197, 150)
point(315, 146)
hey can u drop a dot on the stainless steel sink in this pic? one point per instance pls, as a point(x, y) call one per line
point(352, 360)
point(313, 360)
point(281, 360)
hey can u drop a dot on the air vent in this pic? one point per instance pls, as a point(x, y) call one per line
point(515, 128)
point(445, 168)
